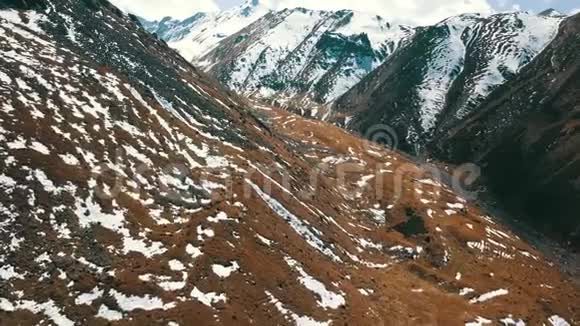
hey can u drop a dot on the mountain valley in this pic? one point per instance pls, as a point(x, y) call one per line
point(138, 190)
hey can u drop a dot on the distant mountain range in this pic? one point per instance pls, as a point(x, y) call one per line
point(305, 60)
point(197, 35)
point(436, 86)
point(297, 57)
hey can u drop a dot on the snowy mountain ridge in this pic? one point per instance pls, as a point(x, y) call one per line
point(501, 44)
point(294, 54)
point(445, 72)
point(304, 55)
point(307, 59)
point(197, 35)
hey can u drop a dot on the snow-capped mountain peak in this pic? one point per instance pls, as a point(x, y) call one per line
point(302, 57)
point(296, 54)
point(446, 71)
point(551, 12)
point(196, 36)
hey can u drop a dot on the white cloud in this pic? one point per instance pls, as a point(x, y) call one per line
point(155, 9)
point(420, 12)
point(574, 11)
point(416, 12)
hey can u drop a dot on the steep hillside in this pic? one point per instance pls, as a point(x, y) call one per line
point(527, 136)
point(197, 35)
point(444, 73)
point(300, 57)
point(135, 192)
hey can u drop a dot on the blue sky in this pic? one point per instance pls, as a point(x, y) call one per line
point(564, 6)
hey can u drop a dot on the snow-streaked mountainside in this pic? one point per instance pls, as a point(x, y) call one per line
point(194, 37)
point(526, 134)
point(304, 55)
point(297, 56)
point(445, 72)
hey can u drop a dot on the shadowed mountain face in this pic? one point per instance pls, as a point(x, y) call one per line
point(443, 74)
point(526, 134)
point(137, 191)
point(23, 4)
